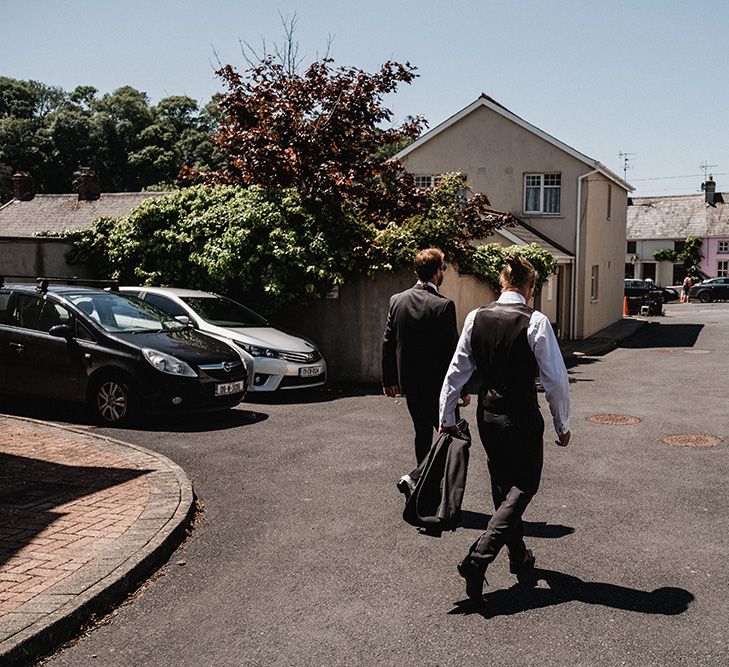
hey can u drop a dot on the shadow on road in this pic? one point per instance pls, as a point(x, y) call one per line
point(318, 395)
point(203, 422)
point(75, 414)
point(667, 601)
point(479, 521)
point(656, 334)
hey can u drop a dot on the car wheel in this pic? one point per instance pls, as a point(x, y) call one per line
point(705, 296)
point(111, 401)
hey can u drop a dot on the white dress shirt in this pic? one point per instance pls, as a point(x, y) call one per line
point(543, 343)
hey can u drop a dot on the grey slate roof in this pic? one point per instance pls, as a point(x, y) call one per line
point(676, 217)
point(56, 213)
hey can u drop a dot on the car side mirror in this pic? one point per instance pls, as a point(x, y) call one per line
point(184, 319)
point(61, 331)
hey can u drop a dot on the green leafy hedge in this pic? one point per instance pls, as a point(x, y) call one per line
point(271, 247)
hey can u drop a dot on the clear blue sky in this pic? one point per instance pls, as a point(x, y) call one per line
point(645, 77)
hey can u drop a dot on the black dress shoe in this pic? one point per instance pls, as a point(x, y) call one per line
point(525, 567)
point(475, 579)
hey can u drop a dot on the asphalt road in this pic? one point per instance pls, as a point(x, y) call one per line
point(302, 557)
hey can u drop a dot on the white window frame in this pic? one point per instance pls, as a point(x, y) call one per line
point(423, 180)
point(722, 268)
point(595, 282)
point(723, 248)
point(544, 182)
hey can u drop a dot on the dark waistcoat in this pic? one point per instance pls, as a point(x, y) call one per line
point(505, 363)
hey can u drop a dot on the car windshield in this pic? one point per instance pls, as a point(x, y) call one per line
point(223, 312)
point(118, 313)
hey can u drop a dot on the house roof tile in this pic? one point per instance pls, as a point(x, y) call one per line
point(57, 213)
point(676, 217)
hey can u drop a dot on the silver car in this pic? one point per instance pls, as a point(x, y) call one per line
point(279, 360)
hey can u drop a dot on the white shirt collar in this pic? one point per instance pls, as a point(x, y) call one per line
point(511, 297)
point(420, 282)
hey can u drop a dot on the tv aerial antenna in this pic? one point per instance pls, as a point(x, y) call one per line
point(626, 159)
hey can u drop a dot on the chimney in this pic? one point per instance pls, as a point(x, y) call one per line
point(23, 186)
point(709, 189)
point(86, 183)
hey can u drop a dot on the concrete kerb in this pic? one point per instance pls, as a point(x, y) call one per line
point(107, 588)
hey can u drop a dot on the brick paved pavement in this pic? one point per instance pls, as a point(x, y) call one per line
point(83, 520)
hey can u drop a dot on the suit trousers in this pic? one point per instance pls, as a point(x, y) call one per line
point(423, 407)
point(515, 453)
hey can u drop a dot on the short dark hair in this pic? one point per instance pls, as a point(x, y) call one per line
point(518, 272)
point(427, 262)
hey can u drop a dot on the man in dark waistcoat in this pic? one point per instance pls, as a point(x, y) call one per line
point(419, 341)
point(507, 345)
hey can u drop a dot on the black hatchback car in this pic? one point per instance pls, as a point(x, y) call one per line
point(116, 353)
point(713, 289)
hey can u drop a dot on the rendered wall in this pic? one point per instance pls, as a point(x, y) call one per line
point(349, 329)
point(37, 257)
point(603, 245)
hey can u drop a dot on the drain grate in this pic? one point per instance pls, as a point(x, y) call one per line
point(692, 440)
point(613, 420)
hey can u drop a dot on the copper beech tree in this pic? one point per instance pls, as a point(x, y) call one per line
point(325, 132)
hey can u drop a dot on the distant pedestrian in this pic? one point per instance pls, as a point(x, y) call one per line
point(419, 341)
point(506, 345)
point(686, 288)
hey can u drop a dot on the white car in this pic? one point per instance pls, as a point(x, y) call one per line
point(280, 360)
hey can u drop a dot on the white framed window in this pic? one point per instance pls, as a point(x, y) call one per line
point(595, 282)
point(723, 247)
point(543, 193)
point(423, 180)
point(722, 268)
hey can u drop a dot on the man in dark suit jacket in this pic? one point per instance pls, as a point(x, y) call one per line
point(419, 341)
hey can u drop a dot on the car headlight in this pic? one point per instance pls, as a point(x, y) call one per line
point(256, 351)
point(166, 363)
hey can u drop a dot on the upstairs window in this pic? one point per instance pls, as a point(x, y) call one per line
point(723, 247)
point(632, 247)
point(542, 193)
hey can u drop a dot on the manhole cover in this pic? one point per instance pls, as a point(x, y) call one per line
point(696, 351)
point(692, 440)
point(613, 420)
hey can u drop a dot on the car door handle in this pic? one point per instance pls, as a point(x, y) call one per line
point(16, 346)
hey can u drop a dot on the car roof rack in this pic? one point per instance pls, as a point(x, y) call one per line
point(44, 281)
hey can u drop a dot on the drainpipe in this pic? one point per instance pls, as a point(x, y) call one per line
point(573, 300)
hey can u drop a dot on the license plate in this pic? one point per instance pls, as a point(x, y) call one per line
point(229, 388)
point(309, 371)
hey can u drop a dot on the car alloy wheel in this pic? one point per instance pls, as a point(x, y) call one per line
point(112, 401)
point(705, 296)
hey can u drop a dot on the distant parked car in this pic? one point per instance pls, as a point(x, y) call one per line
point(713, 289)
point(118, 354)
point(280, 360)
point(633, 287)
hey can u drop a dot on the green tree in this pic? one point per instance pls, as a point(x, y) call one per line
point(689, 257)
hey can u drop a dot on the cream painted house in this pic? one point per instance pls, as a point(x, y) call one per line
point(545, 183)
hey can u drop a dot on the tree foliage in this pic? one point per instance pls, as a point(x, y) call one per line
point(266, 245)
point(489, 259)
point(689, 256)
point(320, 131)
point(128, 141)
